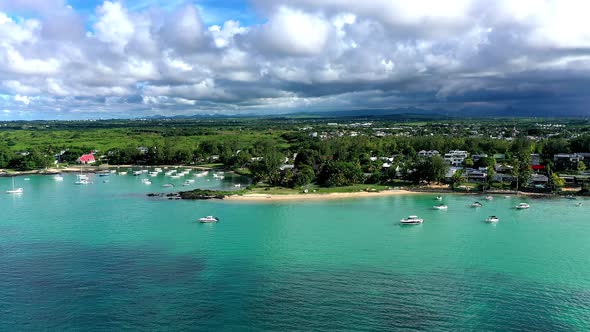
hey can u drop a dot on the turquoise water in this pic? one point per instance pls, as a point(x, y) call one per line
point(105, 257)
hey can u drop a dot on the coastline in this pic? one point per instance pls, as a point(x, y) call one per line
point(315, 196)
point(88, 169)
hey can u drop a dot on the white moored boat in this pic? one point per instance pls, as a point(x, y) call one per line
point(411, 220)
point(58, 177)
point(492, 219)
point(208, 219)
point(14, 190)
point(168, 185)
point(440, 207)
point(522, 206)
point(82, 181)
point(476, 204)
point(489, 198)
point(438, 198)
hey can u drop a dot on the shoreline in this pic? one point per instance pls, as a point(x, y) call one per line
point(364, 194)
point(89, 169)
point(315, 196)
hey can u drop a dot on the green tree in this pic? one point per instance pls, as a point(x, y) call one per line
point(556, 181)
point(304, 176)
point(468, 162)
point(581, 166)
point(340, 173)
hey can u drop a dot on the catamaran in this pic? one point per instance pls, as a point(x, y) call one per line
point(15, 190)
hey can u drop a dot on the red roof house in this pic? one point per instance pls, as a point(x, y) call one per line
point(86, 159)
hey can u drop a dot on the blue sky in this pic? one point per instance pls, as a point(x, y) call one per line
point(99, 59)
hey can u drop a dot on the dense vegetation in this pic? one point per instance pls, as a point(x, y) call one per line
point(316, 150)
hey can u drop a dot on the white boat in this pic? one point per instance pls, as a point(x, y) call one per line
point(440, 207)
point(168, 185)
point(136, 173)
point(476, 204)
point(146, 181)
point(15, 190)
point(58, 177)
point(492, 219)
point(82, 181)
point(189, 181)
point(579, 204)
point(175, 176)
point(122, 173)
point(489, 198)
point(201, 174)
point(522, 206)
point(113, 171)
point(411, 220)
point(27, 179)
point(208, 219)
point(238, 185)
point(438, 198)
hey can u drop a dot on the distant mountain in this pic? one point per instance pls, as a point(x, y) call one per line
point(396, 113)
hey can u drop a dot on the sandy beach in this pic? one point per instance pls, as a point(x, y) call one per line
point(315, 196)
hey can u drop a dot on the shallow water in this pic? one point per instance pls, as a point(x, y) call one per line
point(105, 257)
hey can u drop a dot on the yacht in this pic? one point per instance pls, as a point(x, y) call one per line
point(411, 220)
point(522, 206)
point(14, 190)
point(492, 219)
point(476, 204)
point(208, 219)
point(440, 207)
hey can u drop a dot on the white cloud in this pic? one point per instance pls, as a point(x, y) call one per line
point(308, 53)
point(23, 99)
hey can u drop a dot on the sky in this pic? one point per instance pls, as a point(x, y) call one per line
point(82, 59)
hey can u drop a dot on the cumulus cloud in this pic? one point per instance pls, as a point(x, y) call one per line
point(304, 55)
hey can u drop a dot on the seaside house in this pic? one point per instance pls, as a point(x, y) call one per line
point(567, 160)
point(86, 159)
point(456, 157)
point(428, 153)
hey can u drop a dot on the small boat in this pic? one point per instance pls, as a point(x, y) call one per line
point(579, 204)
point(411, 220)
point(27, 179)
point(438, 198)
point(492, 219)
point(104, 174)
point(522, 206)
point(58, 177)
point(122, 173)
point(570, 197)
point(440, 207)
point(189, 181)
point(146, 181)
point(113, 171)
point(137, 173)
point(488, 198)
point(168, 185)
point(175, 176)
point(15, 190)
point(208, 219)
point(238, 185)
point(476, 204)
point(105, 181)
point(82, 181)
